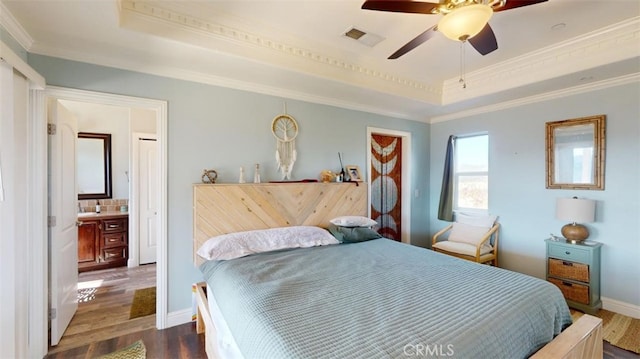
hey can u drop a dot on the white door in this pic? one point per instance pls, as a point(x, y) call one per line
point(63, 233)
point(14, 204)
point(148, 190)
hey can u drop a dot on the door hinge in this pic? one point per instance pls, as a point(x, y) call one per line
point(53, 313)
point(51, 128)
point(51, 221)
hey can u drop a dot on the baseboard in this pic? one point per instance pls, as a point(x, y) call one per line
point(617, 306)
point(179, 317)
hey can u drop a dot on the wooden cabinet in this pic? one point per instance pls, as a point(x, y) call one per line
point(102, 243)
point(575, 269)
point(88, 234)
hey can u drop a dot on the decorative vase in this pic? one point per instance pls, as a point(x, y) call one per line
point(256, 175)
point(241, 179)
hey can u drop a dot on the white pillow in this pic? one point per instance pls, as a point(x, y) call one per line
point(478, 220)
point(465, 233)
point(353, 221)
point(240, 244)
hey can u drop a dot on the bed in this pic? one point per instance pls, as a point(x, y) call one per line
point(376, 298)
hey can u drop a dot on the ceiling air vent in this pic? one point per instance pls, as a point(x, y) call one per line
point(363, 37)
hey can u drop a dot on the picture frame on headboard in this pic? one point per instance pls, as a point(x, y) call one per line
point(354, 173)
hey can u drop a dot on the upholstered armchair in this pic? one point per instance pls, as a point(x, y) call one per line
point(471, 237)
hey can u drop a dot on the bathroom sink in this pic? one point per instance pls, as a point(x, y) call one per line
point(84, 214)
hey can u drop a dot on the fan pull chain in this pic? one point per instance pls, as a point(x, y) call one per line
point(463, 70)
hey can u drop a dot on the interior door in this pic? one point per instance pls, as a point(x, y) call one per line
point(63, 233)
point(148, 190)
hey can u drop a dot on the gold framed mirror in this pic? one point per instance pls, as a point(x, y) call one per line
point(576, 153)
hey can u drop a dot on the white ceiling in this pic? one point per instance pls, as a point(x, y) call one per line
point(295, 49)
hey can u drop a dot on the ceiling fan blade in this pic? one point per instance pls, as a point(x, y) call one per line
point(485, 42)
point(415, 7)
point(414, 43)
point(512, 4)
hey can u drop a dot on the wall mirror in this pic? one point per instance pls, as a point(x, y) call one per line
point(93, 165)
point(575, 153)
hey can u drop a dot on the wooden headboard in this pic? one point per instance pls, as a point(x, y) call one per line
point(225, 208)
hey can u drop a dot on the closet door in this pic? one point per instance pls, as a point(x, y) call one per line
point(23, 209)
point(14, 96)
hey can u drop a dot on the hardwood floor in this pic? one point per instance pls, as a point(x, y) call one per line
point(613, 352)
point(105, 298)
point(182, 342)
point(179, 342)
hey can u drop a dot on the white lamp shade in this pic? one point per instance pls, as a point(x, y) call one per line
point(465, 22)
point(576, 210)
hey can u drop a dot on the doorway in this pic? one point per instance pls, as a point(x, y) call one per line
point(142, 115)
point(144, 179)
point(388, 155)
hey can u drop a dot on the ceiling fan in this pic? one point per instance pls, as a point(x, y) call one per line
point(463, 20)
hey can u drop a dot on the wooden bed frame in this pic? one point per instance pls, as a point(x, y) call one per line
point(226, 208)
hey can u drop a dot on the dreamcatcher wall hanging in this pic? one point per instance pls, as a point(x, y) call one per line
point(285, 130)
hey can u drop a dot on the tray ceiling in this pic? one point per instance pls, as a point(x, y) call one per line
point(297, 49)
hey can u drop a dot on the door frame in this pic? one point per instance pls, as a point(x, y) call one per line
point(160, 107)
point(405, 193)
point(37, 240)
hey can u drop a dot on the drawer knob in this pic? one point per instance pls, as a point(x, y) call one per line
point(567, 252)
point(568, 264)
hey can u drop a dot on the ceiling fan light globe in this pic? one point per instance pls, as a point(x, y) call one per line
point(465, 22)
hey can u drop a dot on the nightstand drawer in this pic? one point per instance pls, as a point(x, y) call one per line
point(572, 254)
point(576, 292)
point(569, 270)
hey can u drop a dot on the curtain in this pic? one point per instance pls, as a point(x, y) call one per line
point(445, 208)
point(386, 185)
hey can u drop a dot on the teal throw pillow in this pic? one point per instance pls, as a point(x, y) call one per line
point(353, 234)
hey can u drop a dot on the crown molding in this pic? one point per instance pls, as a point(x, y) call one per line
point(179, 73)
point(10, 57)
point(610, 44)
point(314, 62)
point(599, 85)
point(14, 28)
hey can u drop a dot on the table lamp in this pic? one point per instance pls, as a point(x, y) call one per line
point(575, 210)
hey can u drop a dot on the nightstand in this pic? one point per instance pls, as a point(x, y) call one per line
point(575, 269)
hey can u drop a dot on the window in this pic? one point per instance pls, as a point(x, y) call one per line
point(471, 173)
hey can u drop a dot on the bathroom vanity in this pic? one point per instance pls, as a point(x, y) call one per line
point(102, 240)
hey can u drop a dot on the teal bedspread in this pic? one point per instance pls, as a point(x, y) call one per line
point(382, 299)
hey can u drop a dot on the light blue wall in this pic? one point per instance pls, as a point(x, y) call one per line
point(219, 128)
point(526, 208)
point(213, 127)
